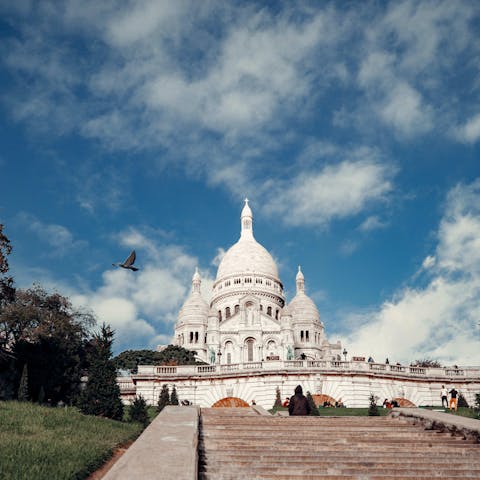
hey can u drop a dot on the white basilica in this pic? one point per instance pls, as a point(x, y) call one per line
point(248, 319)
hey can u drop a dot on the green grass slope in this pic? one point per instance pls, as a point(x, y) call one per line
point(44, 443)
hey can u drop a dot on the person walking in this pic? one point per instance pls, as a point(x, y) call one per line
point(298, 403)
point(444, 396)
point(453, 399)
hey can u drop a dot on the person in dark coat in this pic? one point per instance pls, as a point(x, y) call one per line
point(298, 403)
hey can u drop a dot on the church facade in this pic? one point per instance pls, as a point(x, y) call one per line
point(247, 318)
point(254, 344)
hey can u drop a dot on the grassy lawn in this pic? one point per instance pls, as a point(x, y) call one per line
point(45, 443)
point(462, 412)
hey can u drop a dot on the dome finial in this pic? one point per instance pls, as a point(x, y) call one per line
point(246, 219)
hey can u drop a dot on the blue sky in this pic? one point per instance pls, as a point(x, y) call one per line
point(353, 128)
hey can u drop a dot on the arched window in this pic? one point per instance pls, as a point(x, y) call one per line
point(301, 335)
point(269, 311)
point(191, 337)
point(250, 342)
point(196, 337)
point(261, 307)
point(219, 315)
point(237, 308)
point(306, 335)
point(227, 312)
point(228, 351)
point(276, 314)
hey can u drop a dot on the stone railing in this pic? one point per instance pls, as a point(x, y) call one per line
point(323, 366)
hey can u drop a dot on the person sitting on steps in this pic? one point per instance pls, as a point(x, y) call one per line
point(298, 403)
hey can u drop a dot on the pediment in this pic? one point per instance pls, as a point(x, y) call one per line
point(269, 323)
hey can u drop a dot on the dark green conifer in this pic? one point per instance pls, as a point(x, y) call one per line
point(164, 398)
point(23, 394)
point(101, 395)
point(41, 395)
point(138, 411)
point(173, 396)
point(373, 409)
point(278, 399)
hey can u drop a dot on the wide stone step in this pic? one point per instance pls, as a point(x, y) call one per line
point(464, 455)
point(390, 463)
point(429, 471)
point(302, 476)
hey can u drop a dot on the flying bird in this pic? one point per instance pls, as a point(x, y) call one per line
point(128, 263)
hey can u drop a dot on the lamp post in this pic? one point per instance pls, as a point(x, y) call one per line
point(345, 353)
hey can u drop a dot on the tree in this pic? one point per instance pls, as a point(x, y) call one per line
point(171, 355)
point(164, 398)
point(313, 408)
point(23, 393)
point(173, 396)
point(138, 411)
point(373, 409)
point(278, 399)
point(101, 395)
point(427, 363)
point(45, 331)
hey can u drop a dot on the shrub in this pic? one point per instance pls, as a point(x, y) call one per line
point(138, 411)
point(313, 408)
point(373, 409)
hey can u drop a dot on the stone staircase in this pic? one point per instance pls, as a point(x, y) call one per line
point(237, 443)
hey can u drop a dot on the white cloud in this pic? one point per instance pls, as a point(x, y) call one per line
point(371, 223)
point(440, 319)
point(58, 237)
point(469, 132)
point(336, 191)
point(218, 257)
point(428, 262)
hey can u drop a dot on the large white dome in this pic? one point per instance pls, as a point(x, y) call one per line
point(247, 255)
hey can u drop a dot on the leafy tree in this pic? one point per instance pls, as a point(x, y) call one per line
point(138, 412)
point(164, 398)
point(45, 331)
point(101, 395)
point(427, 363)
point(373, 409)
point(173, 396)
point(23, 394)
point(171, 355)
point(278, 399)
point(313, 408)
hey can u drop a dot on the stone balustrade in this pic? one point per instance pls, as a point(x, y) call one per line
point(311, 365)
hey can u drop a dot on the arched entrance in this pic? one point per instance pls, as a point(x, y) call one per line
point(404, 403)
point(230, 402)
point(320, 399)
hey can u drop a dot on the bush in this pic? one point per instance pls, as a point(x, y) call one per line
point(138, 411)
point(373, 409)
point(313, 408)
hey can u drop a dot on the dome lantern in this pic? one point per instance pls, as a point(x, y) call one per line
point(246, 219)
point(300, 280)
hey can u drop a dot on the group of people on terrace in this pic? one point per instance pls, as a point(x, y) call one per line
point(454, 394)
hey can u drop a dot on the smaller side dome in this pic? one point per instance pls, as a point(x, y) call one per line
point(195, 308)
point(303, 309)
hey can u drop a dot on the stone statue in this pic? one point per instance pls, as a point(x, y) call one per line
point(212, 355)
point(289, 353)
